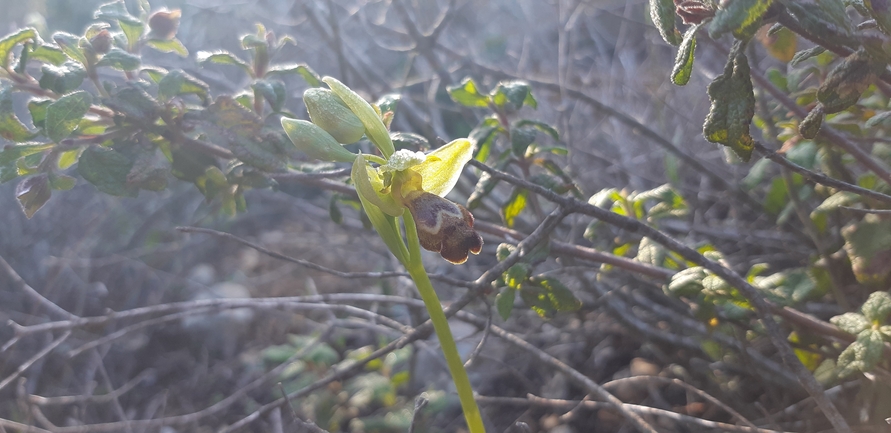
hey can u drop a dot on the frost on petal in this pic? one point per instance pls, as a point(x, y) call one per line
point(443, 226)
point(404, 159)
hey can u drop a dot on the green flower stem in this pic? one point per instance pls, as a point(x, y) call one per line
point(416, 269)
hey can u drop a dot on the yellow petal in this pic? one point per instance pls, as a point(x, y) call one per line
point(369, 184)
point(441, 170)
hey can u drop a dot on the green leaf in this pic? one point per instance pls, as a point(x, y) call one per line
point(517, 275)
point(834, 11)
point(687, 283)
point(514, 206)
point(880, 119)
point(169, 46)
point(115, 11)
point(68, 158)
point(305, 72)
point(334, 210)
point(520, 139)
point(877, 307)
point(61, 182)
point(387, 103)
point(662, 12)
point(650, 252)
point(512, 95)
point(273, 91)
point(868, 244)
point(482, 138)
point(148, 172)
point(732, 106)
point(881, 12)
point(63, 115)
point(9, 155)
point(8, 42)
point(536, 298)
point(812, 123)
point(107, 169)
point(134, 102)
point(11, 128)
point(71, 45)
point(62, 79)
point(47, 54)
point(483, 188)
point(551, 182)
point(848, 80)
point(834, 201)
point(862, 355)
point(806, 54)
point(504, 250)
point(561, 298)
point(467, 94)
point(742, 17)
point(851, 323)
point(504, 302)
point(781, 44)
point(119, 59)
point(223, 58)
point(541, 126)
point(133, 32)
point(775, 199)
point(33, 193)
point(177, 83)
point(683, 63)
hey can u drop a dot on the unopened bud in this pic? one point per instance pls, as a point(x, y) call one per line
point(101, 42)
point(164, 23)
point(330, 113)
point(315, 142)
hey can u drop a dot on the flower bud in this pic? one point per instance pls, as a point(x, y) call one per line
point(375, 129)
point(443, 226)
point(101, 42)
point(164, 23)
point(315, 142)
point(329, 112)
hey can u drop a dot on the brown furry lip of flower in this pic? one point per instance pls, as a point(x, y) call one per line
point(443, 226)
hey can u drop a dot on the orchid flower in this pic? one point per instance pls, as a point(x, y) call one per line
point(388, 186)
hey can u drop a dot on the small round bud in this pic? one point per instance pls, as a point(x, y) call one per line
point(101, 42)
point(331, 114)
point(164, 23)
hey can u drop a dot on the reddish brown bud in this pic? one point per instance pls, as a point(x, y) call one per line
point(443, 226)
point(164, 23)
point(101, 43)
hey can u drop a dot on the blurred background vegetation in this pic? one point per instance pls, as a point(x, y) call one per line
point(90, 253)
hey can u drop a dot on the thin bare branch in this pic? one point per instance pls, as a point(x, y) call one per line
point(36, 357)
point(763, 308)
point(532, 400)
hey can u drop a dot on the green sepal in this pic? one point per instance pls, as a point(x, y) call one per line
point(385, 225)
